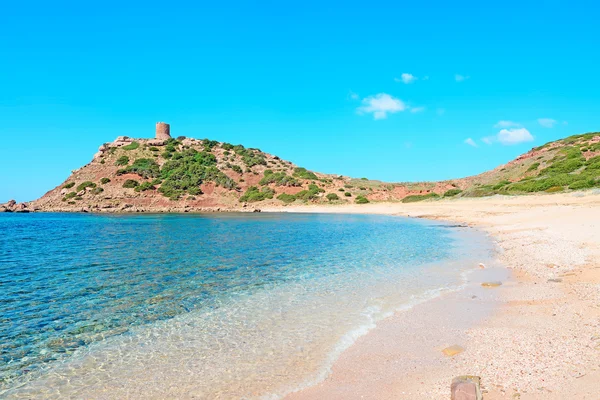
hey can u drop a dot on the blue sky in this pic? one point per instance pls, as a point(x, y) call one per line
point(386, 90)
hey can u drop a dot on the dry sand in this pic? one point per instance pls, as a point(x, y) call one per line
point(541, 342)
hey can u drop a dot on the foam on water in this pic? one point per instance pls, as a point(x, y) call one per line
point(239, 306)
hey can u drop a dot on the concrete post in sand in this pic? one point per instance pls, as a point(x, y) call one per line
point(466, 387)
point(163, 131)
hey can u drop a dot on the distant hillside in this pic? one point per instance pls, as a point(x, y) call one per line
point(567, 164)
point(184, 174)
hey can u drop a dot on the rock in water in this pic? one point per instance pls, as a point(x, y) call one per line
point(466, 387)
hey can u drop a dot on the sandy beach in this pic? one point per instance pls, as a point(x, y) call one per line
point(535, 337)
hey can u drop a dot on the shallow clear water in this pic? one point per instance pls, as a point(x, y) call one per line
point(205, 306)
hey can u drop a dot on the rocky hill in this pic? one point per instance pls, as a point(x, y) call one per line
point(183, 174)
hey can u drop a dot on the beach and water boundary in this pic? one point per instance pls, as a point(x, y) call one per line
point(307, 303)
point(543, 341)
point(525, 343)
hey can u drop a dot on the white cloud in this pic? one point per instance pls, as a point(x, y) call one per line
point(514, 136)
point(547, 122)
point(470, 142)
point(488, 139)
point(406, 78)
point(380, 105)
point(460, 78)
point(507, 124)
point(417, 109)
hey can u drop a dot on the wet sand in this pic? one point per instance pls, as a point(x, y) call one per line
point(535, 337)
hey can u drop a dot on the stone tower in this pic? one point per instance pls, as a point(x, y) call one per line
point(163, 131)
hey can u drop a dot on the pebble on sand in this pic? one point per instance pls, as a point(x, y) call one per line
point(452, 350)
point(491, 284)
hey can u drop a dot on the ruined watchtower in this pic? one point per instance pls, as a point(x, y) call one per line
point(163, 131)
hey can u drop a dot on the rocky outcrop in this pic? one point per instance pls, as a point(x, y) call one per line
point(13, 206)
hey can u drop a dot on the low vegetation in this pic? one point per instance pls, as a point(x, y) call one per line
point(85, 185)
point(361, 200)
point(419, 197)
point(332, 197)
point(303, 173)
point(452, 192)
point(278, 178)
point(253, 194)
point(130, 184)
point(131, 146)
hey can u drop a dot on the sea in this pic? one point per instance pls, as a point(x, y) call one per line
point(207, 306)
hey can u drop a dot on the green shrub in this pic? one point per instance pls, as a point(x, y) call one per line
point(341, 190)
point(189, 171)
point(278, 178)
point(419, 197)
point(563, 166)
point(166, 154)
point(332, 197)
point(97, 190)
point(554, 189)
point(286, 198)
point(152, 148)
point(78, 198)
point(104, 181)
point(123, 160)
point(303, 173)
point(237, 168)
point(452, 192)
point(144, 167)
point(145, 186)
point(69, 185)
point(361, 200)
point(582, 184)
point(69, 195)
point(227, 146)
point(130, 184)
point(253, 194)
point(347, 194)
point(500, 185)
point(131, 146)
point(533, 167)
point(85, 185)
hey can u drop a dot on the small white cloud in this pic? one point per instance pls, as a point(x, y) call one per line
point(488, 139)
point(460, 78)
point(470, 142)
point(417, 109)
point(547, 122)
point(514, 136)
point(406, 78)
point(507, 124)
point(380, 105)
point(352, 95)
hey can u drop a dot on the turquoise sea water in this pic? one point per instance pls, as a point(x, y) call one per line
point(205, 306)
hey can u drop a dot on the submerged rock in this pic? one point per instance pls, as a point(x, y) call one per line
point(466, 387)
point(453, 350)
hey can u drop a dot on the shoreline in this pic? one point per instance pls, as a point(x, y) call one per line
point(544, 340)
